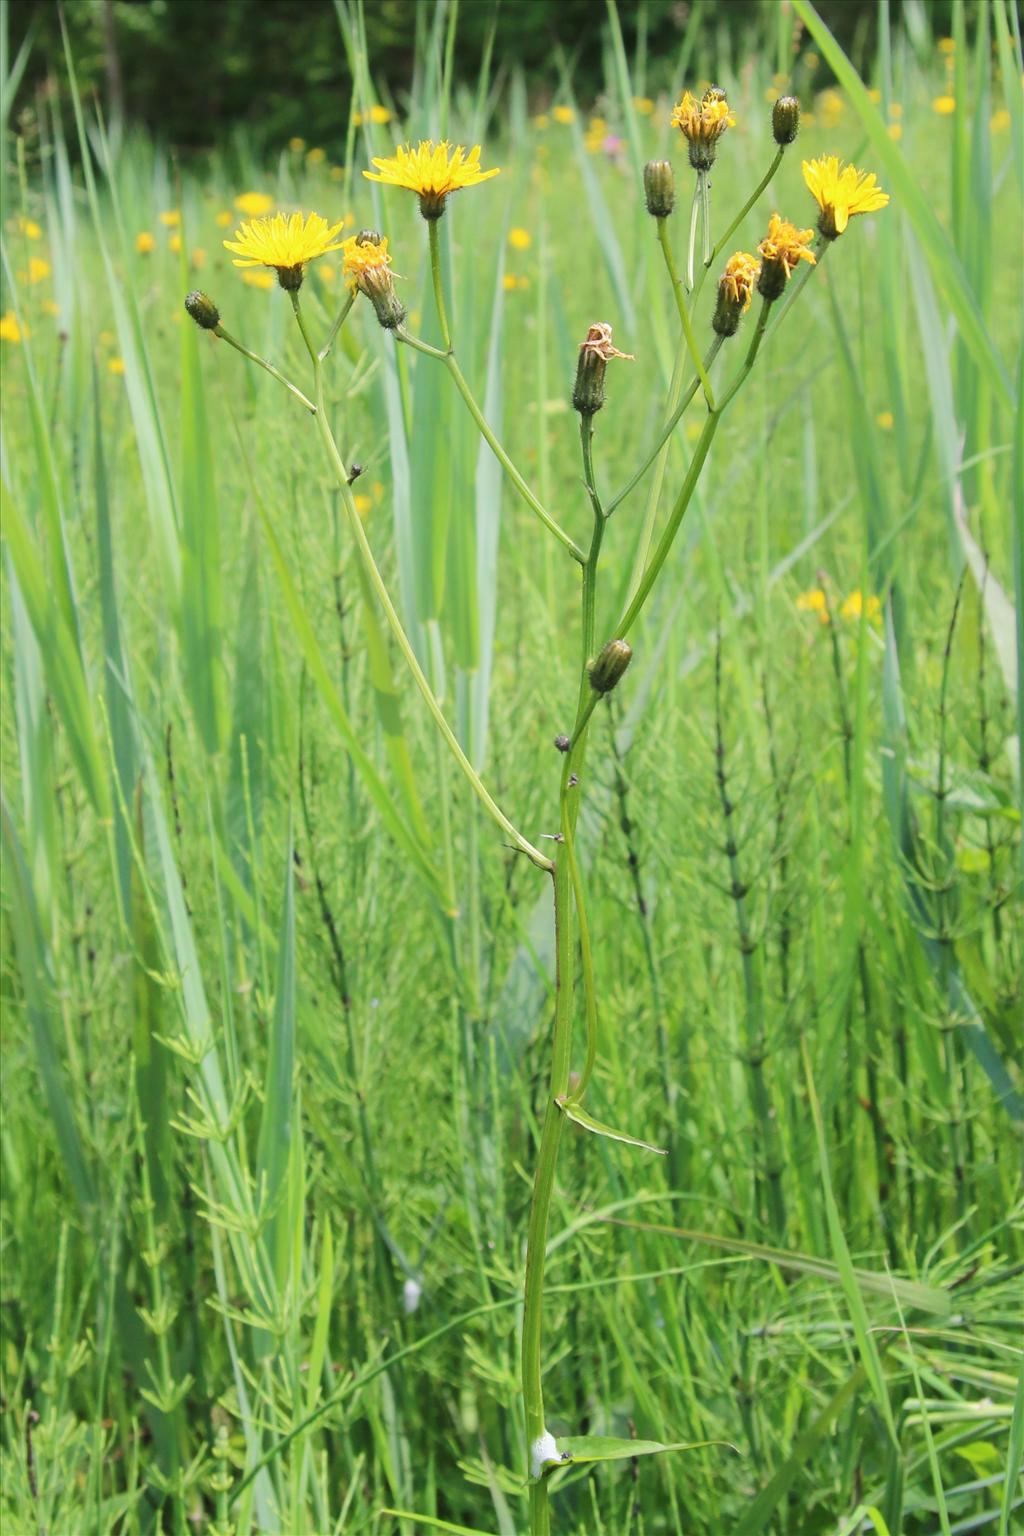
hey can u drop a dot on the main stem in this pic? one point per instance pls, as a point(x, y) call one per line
point(561, 1054)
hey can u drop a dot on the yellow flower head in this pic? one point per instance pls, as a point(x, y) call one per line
point(10, 330)
point(520, 239)
point(643, 105)
point(739, 277)
point(38, 269)
point(379, 114)
point(316, 156)
point(735, 288)
point(431, 171)
point(367, 266)
point(841, 191)
point(780, 251)
point(171, 218)
point(285, 243)
point(115, 365)
point(30, 229)
point(563, 115)
point(254, 204)
point(225, 219)
point(702, 124)
point(945, 106)
point(258, 279)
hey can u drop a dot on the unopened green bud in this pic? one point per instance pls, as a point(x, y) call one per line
point(595, 354)
point(203, 310)
point(786, 119)
point(607, 668)
point(659, 188)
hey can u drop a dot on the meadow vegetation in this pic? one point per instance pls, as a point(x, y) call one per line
point(280, 991)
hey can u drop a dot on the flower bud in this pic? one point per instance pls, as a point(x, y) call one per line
point(735, 287)
point(607, 668)
point(367, 265)
point(786, 120)
point(203, 310)
point(595, 354)
point(660, 188)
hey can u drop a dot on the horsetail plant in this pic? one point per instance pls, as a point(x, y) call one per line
point(434, 172)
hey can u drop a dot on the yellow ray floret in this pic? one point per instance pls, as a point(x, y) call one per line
point(364, 258)
point(841, 191)
point(367, 266)
point(785, 245)
point(432, 171)
point(702, 124)
point(739, 278)
point(286, 241)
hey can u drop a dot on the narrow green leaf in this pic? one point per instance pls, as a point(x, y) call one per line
point(436, 1524)
point(580, 1448)
point(579, 1116)
point(275, 1137)
point(37, 982)
point(848, 1279)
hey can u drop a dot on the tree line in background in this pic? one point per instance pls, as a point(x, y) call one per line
point(191, 70)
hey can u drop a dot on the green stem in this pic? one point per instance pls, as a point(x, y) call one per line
point(379, 586)
point(535, 505)
point(694, 211)
point(567, 885)
point(275, 373)
point(704, 183)
point(738, 220)
point(435, 268)
point(684, 312)
point(332, 334)
point(692, 475)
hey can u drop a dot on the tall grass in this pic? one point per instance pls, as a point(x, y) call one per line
point(277, 1000)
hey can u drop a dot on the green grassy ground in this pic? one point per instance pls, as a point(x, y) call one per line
point(278, 999)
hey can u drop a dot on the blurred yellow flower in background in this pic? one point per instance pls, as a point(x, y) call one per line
point(814, 601)
point(10, 330)
point(115, 365)
point(520, 239)
point(563, 114)
point(258, 279)
point(856, 604)
point(38, 269)
point(885, 420)
point(170, 218)
point(253, 204)
point(644, 105)
point(945, 106)
point(296, 145)
point(144, 242)
point(225, 219)
point(174, 243)
point(29, 228)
